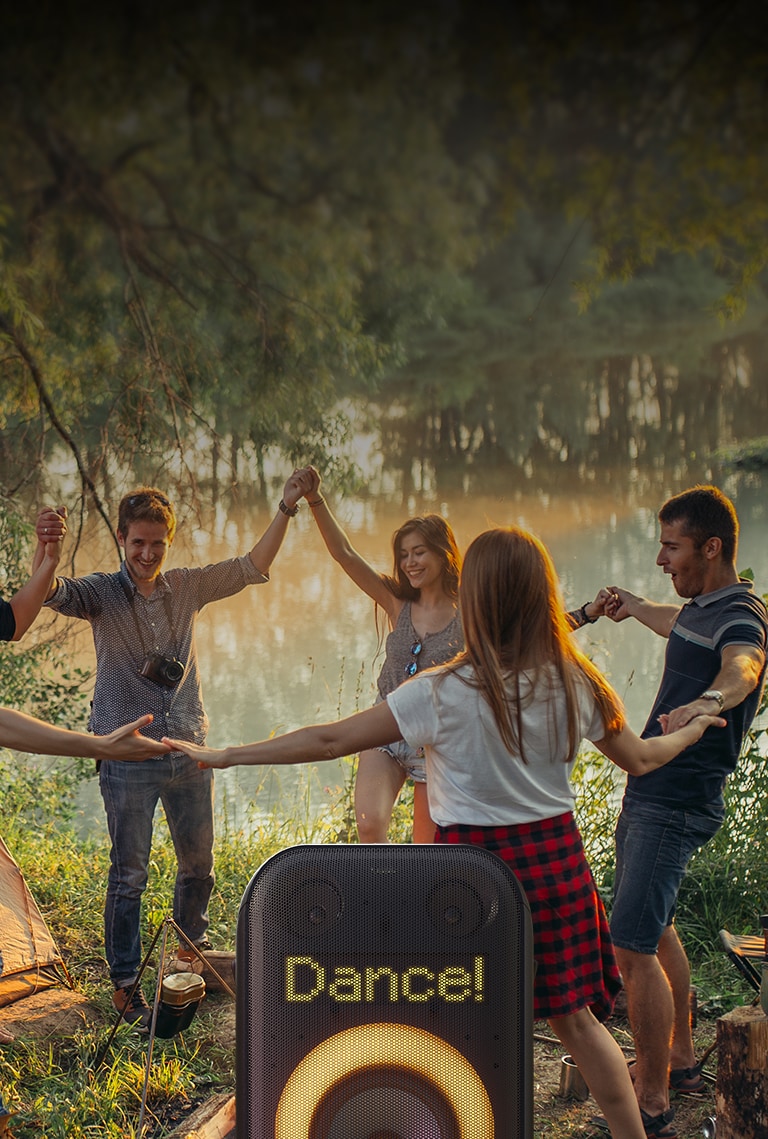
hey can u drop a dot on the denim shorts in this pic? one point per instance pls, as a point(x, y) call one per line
point(653, 847)
point(411, 759)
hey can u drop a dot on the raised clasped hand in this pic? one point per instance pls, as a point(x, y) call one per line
point(314, 487)
point(51, 524)
point(297, 486)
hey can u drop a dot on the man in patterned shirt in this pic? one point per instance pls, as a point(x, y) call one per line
point(143, 623)
point(715, 663)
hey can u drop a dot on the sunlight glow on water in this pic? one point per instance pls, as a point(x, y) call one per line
point(303, 648)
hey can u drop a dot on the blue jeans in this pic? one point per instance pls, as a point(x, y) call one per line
point(131, 792)
point(654, 845)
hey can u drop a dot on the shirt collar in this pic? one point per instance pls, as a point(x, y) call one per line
point(743, 585)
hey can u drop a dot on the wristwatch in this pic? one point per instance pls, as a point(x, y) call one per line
point(714, 694)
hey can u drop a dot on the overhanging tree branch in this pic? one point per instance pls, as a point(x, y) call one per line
point(15, 338)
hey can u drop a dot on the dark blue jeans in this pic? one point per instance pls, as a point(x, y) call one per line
point(131, 792)
point(654, 845)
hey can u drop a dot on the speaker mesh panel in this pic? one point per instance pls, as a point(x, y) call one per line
point(384, 992)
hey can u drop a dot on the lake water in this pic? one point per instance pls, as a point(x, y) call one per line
point(303, 648)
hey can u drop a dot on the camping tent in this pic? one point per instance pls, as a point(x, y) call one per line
point(30, 957)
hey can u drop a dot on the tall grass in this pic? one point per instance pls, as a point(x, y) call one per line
point(56, 1086)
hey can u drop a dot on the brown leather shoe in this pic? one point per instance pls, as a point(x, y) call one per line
point(132, 1003)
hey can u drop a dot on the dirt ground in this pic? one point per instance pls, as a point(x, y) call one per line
point(60, 1012)
point(51, 1012)
point(559, 1118)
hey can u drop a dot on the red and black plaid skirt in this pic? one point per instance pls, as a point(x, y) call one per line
point(575, 963)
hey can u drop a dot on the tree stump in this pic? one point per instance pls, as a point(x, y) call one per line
point(220, 966)
point(741, 1091)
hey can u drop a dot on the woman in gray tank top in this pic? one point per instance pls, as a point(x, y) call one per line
point(420, 600)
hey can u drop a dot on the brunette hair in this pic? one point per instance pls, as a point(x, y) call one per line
point(514, 621)
point(441, 540)
point(146, 504)
point(705, 512)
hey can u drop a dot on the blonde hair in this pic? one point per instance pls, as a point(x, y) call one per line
point(514, 621)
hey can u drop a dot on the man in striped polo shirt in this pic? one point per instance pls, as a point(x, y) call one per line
point(715, 662)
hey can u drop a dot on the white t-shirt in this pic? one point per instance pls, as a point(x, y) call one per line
point(472, 778)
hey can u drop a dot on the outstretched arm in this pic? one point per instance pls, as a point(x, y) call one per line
point(588, 613)
point(50, 527)
point(372, 728)
point(638, 756)
point(263, 553)
point(622, 604)
point(342, 551)
point(26, 733)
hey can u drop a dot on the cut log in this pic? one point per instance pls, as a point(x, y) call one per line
point(213, 1120)
point(741, 1091)
point(220, 966)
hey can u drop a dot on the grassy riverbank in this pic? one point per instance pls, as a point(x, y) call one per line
point(55, 1084)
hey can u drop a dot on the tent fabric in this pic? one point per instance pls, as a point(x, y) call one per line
point(30, 959)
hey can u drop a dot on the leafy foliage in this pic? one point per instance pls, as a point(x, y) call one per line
point(36, 679)
point(213, 217)
point(218, 222)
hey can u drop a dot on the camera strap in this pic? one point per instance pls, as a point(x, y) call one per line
point(168, 613)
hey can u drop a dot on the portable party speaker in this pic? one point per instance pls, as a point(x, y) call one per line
point(384, 992)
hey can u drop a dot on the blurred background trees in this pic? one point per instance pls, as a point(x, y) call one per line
point(492, 232)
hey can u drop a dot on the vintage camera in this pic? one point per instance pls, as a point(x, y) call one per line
point(162, 669)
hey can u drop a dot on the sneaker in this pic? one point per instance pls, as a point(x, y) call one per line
point(655, 1126)
point(133, 1006)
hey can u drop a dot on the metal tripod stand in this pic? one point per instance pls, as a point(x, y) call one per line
point(163, 929)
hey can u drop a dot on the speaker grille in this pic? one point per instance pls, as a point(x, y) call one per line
point(365, 974)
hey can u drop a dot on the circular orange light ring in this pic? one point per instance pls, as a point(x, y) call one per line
point(368, 1045)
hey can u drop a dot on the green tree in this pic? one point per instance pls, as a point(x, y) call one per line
point(220, 220)
point(26, 670)
point(199, 208)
